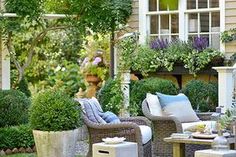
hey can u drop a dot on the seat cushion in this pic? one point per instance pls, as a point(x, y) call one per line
point(146, 133)
point(154, 105)
point(209, 124)
point(178, 106)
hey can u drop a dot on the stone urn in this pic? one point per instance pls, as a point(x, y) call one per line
point(56, 144)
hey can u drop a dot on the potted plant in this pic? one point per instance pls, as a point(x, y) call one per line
point(54, 118)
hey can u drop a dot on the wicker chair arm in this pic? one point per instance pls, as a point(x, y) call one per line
point(163, 119)
point(137, 120)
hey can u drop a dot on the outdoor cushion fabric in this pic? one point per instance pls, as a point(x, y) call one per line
point(178, 106)
point(109, 117)
point(146, 133)
point(209, 124)
point(92, 110)
point(154, 104)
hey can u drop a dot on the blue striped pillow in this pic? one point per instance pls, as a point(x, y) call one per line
point(109, 117)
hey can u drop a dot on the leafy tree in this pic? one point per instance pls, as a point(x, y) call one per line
point(24, 35)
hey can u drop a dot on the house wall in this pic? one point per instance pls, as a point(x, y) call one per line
point(133, 20)
point(230, 22)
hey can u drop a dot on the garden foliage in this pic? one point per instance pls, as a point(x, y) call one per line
point(150, 85)
point(14, 107)
point(16, 137)
point(110, 96)
point(203, 96)
point(54, 111)
point(193, 55)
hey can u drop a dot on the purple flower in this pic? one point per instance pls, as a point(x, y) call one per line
point(200, 43)
point(97, 60)
point(159, 44)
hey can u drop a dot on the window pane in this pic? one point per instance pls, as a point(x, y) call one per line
point(192, 37)
point(174, 23)
point(215, 19)
point(174, 37)
point(154, 24)
point(191, 4)
point(204, 22)
point(152, 5)
point(164, 24)
point(174, 5)
point(164, 37)
point(214, 3)
point(193, 23)
point(215, 41)
point(202, 4)
point(162, 5)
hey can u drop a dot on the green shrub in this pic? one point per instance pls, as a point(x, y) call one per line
point(150, 85)
point(23, 87)
point(16, 137)
point(110, 96)
point(14, 107)
point(203, 96)
point(54, 111)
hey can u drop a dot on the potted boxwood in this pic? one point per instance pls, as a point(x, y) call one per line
point(54, 118)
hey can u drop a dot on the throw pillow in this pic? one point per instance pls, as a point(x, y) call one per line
point(92, 111)
point(178, 106)
point(109, 117)
point(154, 104)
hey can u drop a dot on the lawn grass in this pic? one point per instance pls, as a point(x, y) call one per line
point(29, 155)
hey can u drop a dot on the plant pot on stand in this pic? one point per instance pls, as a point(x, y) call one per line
point(93, 81)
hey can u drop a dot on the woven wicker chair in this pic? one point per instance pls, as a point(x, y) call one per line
point(128, 128)
point(164, 127)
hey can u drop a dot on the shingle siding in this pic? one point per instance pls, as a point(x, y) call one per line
point(230, 22)
point(134, 18)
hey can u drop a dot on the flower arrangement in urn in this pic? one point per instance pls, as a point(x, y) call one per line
point(95, 56)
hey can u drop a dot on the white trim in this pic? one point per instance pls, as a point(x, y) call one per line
point(6, 84)
point(222, 22)
point(46, 16)
point(182, 25)
point(143, 10)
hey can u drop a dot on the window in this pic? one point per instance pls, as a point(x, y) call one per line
point(203, 18)
point(184, 19)
point(164, 19)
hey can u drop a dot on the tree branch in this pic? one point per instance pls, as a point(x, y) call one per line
point(11, 51)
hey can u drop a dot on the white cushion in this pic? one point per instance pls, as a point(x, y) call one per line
point(209, 124)
point(146, 133)
point(154, 104)
point(178, 106)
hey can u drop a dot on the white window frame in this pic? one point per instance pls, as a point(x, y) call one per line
point(144, 23)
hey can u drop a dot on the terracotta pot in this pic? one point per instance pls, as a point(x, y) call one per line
point(92, 78)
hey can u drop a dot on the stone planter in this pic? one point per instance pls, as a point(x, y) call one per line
point(55, 144)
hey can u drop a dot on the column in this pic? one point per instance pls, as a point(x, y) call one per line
point(125, 86)
point(226, 86)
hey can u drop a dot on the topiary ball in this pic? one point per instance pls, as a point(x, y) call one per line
point(203, 96)
point(54, 111)
point(149, 85)
point(14, 107)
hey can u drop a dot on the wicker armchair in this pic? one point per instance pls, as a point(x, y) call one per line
point(128, 128)
point(164, 127)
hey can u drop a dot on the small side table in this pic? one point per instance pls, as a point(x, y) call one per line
point(211, 153)
point(124, 149)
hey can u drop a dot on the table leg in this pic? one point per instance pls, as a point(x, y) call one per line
point(178, 150)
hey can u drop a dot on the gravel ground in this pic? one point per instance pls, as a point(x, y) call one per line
point(82, 148)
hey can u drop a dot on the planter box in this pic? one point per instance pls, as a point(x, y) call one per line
point(55, 144)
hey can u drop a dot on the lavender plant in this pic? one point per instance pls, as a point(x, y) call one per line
point(200, 43)
point(159, 44)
